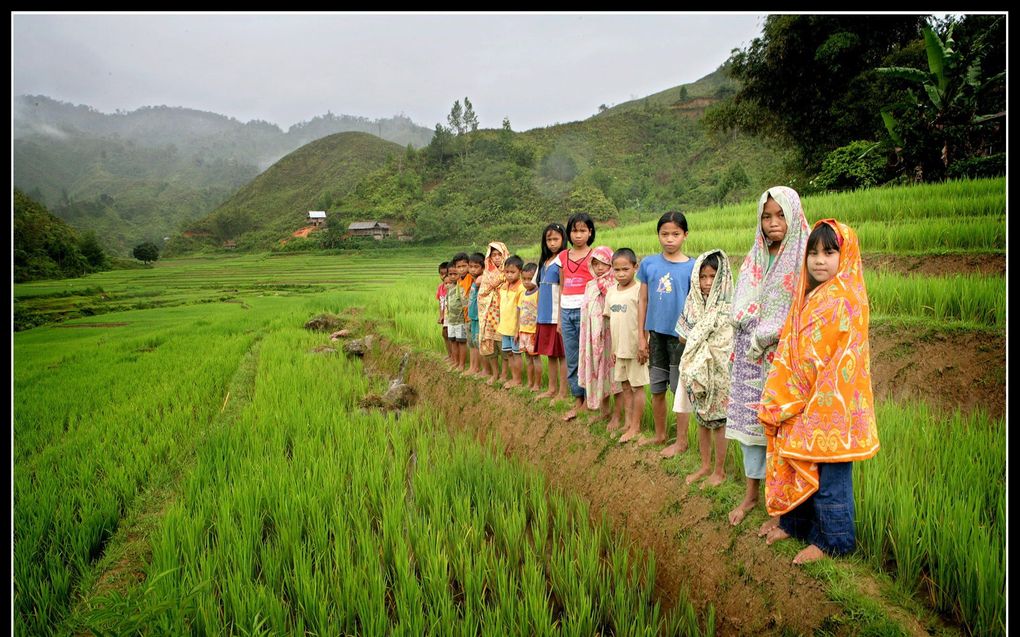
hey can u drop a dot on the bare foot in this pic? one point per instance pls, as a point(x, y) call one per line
point(534, 389)
point(769, 524)
point(628, 436)
point(570, 415)
point(776, 535)
point(810, 554)
point(645, 440)
point(490, 382)
point(547, 394)
point(738, 514)
point(715, 480)
point(698, 475)
point(511, 384)
point(614, 424)
point(673, 449)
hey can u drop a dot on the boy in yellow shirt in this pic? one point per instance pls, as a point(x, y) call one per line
point(510, 298)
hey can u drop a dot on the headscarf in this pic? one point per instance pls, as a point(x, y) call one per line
point(595, 342)
point(818, 405)
point(488, 292)
point(763, 295)
point(605, 255)
point(705, 323)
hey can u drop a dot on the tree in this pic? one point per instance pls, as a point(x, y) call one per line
point(146, 252)
point(92, 251)
point(955, 81)
point(456, 118)
point(470, 119)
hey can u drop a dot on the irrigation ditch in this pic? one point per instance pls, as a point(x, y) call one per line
point(754, 588)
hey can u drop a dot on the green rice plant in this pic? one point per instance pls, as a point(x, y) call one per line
point(974, 299)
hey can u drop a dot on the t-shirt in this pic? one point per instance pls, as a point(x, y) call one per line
point(529, 312)
point(622, 310)
point(456, 303)
point(441, 297)
point(509, 299)
point(465, 284)
point(668, 284)
point(473, 302)
point(549, 294)
point(574, 276)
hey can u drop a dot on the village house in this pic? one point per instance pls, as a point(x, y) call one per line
point(374, 229)
point(317, 217)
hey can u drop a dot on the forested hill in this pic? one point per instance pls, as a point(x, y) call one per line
point(623, 166)
point(140, 175)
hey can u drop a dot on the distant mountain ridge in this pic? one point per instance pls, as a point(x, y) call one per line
point(139, 175)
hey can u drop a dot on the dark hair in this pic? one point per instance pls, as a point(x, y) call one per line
point(673, 216)
point(625, 253)
point(546, 252)
point(515, 261)
point(824, 234)
point(477, 257)
point(444, 265)
point(585, 218)
point(529, 267)
point(711, 261)
point(460, 256)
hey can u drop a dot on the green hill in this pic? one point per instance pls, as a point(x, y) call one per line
point(692, 97)
point(47, 248)
point(277, 201)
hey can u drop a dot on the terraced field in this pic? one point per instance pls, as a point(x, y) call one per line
point(184, 462)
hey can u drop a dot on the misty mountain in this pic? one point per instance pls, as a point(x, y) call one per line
point(140, 175)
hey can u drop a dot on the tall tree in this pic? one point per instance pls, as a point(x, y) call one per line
point(456, 118)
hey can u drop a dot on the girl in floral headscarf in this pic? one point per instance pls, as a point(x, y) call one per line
point(817, 407)
point(705, 363)
point(488, 309)
point(595, 359)
point(762, 298)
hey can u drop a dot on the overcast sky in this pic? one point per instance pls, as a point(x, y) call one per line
point(535, 69)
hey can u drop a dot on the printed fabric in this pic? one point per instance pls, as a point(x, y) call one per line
point(705, 323)
point(595, 359)
point(488, 293)
point(456, 305)
point(817, 405)
point(529, 312)
point(761, 301)
point(668, 283)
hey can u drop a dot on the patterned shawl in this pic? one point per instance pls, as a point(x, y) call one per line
point(488, 291)
point(705, 323)
point(595, 351)
point(763, 296)
point(817, 405)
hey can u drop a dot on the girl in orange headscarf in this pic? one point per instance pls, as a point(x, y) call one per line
point(817, 406)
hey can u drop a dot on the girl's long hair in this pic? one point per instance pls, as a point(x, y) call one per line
point(546, 252)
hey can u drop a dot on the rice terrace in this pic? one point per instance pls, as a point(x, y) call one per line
point(189, 459)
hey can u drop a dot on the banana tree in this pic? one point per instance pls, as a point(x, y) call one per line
point(951, 85)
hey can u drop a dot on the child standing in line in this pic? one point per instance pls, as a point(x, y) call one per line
point(665, 280)
point(528, 326)
point(761, 301)
point(575, 272)
point(488, 309)
point(595, 360)
point(629, 367)
point(705, 364)
point(448, 316)
point(456, 309)
point(509, 313)
point(549, 342)
point(441, 298)
point(476, 265)
point(817, 406)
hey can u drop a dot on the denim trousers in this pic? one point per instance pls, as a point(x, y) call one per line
point(570, 325)
point(826, 519)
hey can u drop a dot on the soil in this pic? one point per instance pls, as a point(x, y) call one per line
point(948, 370)
point(938, 264)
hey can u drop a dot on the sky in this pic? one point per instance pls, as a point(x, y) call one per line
point(536, 70)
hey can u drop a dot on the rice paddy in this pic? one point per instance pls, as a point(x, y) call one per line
point(290, 511)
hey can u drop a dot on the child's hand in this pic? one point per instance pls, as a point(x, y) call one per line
point(642, 353)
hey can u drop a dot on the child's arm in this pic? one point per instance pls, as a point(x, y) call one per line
point(642, 311)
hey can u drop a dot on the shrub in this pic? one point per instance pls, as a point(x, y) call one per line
point(859, 164)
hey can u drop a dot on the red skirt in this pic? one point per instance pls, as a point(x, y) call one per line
point(548, 341)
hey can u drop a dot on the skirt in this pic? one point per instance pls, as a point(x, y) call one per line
point(548, 341)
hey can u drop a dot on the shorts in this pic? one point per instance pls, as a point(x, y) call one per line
point(458, 333)
point(664, 354)
point(682, 402)
point(754, 461)
point(526, 340)
point(712, 425)
point(548, 341)
point(628, 369)
point(511, 345)
point(472, 335)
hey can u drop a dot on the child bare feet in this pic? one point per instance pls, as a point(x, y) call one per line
point(614, 424)
point(511, 384)
point(769, 524)
point(738, 514)
point(810, 554)
point(673, 449)
point(698, 475)
point(645, 440)
point(629, 435)
point(570, 415)
point(715, 480)
point(776, 535)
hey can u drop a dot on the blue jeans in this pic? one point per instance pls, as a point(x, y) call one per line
point(570, 325)
point(826, 519)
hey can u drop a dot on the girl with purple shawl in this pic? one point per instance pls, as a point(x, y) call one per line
point(762, 299)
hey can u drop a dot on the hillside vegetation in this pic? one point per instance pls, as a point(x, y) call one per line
point(47, 248)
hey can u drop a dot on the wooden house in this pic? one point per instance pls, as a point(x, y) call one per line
point(317, 217)
point(375, 229)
